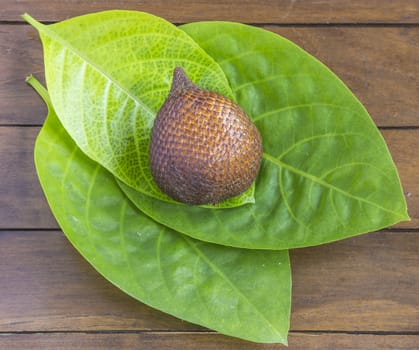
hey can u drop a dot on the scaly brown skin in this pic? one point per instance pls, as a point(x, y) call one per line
point(204, 148)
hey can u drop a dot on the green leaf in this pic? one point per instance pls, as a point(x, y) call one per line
point(326, 173)
point(108, 74)
point(238, 292)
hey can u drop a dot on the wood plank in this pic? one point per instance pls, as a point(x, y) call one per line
point(262, 11)
point(22, 201)
point(181, 341)
point(377, 63)
point(406, 158)
point(49, 286)
point(369, 60)
point(21, 56)
point(366, 283)
point(23, 204)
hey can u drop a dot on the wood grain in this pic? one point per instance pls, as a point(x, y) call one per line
point(22, 201)
point(406, 157)
point(366, 283)
point(262, 11)
point(23, 204)
point(379, 64)
point(50, 287)
point(21, 55)
point(359, 293)
point(182, 341)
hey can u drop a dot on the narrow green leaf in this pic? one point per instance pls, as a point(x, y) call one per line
point(238, 292)
point(108, 73)
point(327, 173)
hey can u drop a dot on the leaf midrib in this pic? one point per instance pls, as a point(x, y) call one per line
point(51, 34)
point(231, 284)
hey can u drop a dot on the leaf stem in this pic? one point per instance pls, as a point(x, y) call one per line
point(32, 21)
point(39, 88)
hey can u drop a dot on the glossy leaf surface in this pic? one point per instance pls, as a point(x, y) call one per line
point(108, 74)
point(239, 292)
point(326, 173)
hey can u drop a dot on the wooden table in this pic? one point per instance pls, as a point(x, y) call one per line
point(366, 296)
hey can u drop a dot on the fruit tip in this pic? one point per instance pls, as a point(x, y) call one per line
point(180, 81)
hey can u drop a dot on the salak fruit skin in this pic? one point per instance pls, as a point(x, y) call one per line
point(204, 148)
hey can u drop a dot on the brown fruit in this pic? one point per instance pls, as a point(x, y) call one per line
point(204, 148)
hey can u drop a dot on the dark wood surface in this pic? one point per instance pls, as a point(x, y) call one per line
point(360, 293)
point(250, 11)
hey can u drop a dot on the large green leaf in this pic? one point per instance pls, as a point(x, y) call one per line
point(108, 74)
point(239, 292)
point(326, 172)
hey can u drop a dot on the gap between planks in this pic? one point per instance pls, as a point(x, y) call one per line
point(208, 332)
point(269, 24)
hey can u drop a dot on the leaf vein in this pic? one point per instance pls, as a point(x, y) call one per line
point(291, 107)
point(229, 282)
point(314, 137)
point(66, 45)
point(323, 183)
point(265, 80)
